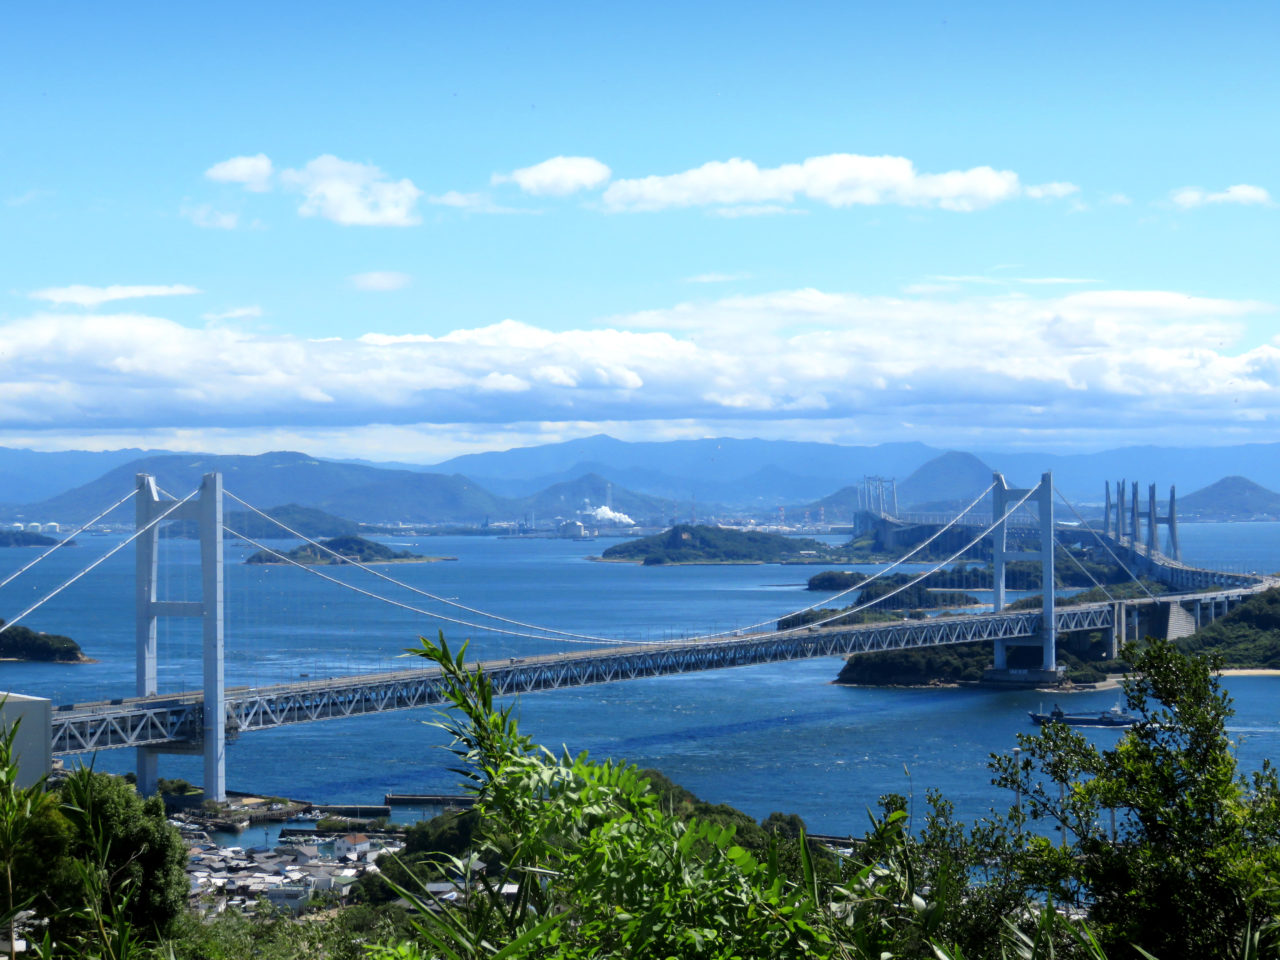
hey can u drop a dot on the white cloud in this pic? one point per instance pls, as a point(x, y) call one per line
point(204, 215)
point(236, 313)
point(838, 180)
point(381, 280)
point(716, 277)
point(1242, 193)
point(84, 296)
point(1128, 360)
point(558, 177)
point(353, 194)
point(1120, 199)
point(252, 173)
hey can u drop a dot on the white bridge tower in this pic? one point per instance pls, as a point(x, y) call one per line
point(206, 511)
point(1003, 497)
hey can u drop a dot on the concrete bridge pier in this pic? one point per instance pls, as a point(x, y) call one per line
point(1117, 636)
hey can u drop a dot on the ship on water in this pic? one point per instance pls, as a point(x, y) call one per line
point(1114, 717)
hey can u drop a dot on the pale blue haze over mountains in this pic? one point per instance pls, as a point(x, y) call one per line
point(653, 482)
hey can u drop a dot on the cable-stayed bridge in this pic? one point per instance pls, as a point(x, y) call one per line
point(154, 722)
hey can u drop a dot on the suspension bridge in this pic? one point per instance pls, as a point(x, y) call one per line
point(153, 723)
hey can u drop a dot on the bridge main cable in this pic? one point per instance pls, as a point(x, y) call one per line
point(928, 573)
point(102, 559)
point(860, 585)
point(1105, 546)
point(310, 568)
point(66, 540)
point(566, 634)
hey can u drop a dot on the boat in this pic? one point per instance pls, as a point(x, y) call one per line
point(1115, 717)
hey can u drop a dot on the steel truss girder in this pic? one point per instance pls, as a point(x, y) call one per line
point(125, 726)
point(147, 722)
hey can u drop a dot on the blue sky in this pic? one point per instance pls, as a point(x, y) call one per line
point(407, 231)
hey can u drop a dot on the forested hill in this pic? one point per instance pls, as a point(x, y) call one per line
point(1249, 636)
point(685, 543)
point(347, 548)
point(26, 538)
point(20, 643)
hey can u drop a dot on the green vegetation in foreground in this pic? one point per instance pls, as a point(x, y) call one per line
point(26, 538)
point(589, 859)
point(20, 643)
point(1247, 637)
point(684, 543)
point(100, 867)
point(349, 548)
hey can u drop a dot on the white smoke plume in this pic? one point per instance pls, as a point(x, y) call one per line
point(606, 515)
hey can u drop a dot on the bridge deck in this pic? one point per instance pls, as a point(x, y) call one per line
point(176, 718)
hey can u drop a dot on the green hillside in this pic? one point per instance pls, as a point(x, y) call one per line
point(25, 538)
point(20, 643)
point(1249, 636)
point(702, 544)
point(349, 548)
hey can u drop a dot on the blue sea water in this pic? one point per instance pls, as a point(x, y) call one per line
point(764, 738)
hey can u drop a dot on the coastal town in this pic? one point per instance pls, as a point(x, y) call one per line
point(288, 875)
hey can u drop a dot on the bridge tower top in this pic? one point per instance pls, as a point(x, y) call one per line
point(1128, 522)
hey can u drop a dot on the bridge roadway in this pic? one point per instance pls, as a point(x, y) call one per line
point(176, 719)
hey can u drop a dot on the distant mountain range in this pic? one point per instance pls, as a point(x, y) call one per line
point(351, 491)
point(652, 482)
point(729, 471)
point(769, 473)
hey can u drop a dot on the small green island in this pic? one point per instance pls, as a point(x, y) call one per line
point(348, 549)
point(687, 543)
point(27, 538)
point(22, 643)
